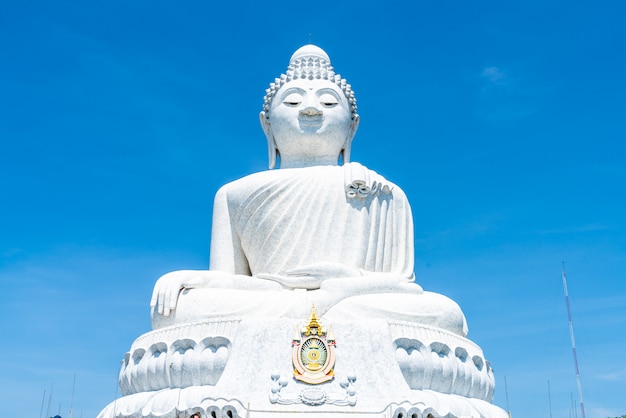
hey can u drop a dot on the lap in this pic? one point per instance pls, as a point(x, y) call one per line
point(227, 303)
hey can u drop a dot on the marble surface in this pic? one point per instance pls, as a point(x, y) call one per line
point(314, 230)
point(245, 366)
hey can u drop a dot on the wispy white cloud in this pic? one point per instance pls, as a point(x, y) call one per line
point(495, 75)
point(604, 412)
point(614, 376)
point(503, 95)
point(574, 229)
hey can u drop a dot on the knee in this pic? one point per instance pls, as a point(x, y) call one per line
point(449, 314)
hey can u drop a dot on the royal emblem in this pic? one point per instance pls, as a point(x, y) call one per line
point(313, 353)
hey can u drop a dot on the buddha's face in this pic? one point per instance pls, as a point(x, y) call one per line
point(310, 119)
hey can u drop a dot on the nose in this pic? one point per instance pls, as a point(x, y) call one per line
point(310, 111)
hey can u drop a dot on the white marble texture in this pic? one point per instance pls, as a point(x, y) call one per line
point(321, 231)
point(273, 239)
point(393, 366)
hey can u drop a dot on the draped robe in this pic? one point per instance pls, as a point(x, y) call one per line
point(274, 221)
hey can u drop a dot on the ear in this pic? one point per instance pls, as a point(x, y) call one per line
point(347, 146)
point(271, 144)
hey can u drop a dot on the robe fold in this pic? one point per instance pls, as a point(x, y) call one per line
point(275, 221)
point(289, 218)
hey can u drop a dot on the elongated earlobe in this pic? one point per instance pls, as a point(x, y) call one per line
point(271, 144)
point(345, 152)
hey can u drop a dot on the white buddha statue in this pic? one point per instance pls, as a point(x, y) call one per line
point(320, 238)
point(313, 232)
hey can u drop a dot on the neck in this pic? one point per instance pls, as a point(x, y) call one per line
point(307, 161)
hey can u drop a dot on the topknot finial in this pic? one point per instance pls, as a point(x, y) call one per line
point(309, 50)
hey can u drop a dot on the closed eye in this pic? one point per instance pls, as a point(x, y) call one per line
point(328, 100)
point(292, 99)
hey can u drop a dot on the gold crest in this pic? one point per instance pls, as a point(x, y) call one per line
point(313, 353)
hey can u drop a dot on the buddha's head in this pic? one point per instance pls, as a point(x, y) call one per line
point(309, 114)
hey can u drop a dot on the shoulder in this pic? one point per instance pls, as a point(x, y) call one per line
point(239, 189)
point(357, 174)
point(241, 185)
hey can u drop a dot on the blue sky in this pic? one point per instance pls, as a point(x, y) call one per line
point(504, 122)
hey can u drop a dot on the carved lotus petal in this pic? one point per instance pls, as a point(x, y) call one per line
point(313, 396)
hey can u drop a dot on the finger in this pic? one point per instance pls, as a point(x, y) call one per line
point(174, 292)
point(155, 296)
point(267, 276)
point(166, 301)
point(164, 307)
point(160, 301)
point(302, 271)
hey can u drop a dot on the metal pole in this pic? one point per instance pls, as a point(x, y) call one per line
point(49, 401)
point(549, 399)
point(43, 400)
point(571, 334)
point(72, 401)
point(506, 390)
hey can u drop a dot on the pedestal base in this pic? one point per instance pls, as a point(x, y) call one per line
point(243, 368)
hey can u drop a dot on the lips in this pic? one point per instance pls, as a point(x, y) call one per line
point(310, 121)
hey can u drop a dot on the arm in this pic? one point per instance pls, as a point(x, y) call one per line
point(167, 288)
point(227, 255)
point(228, 262)
point(338, 277)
